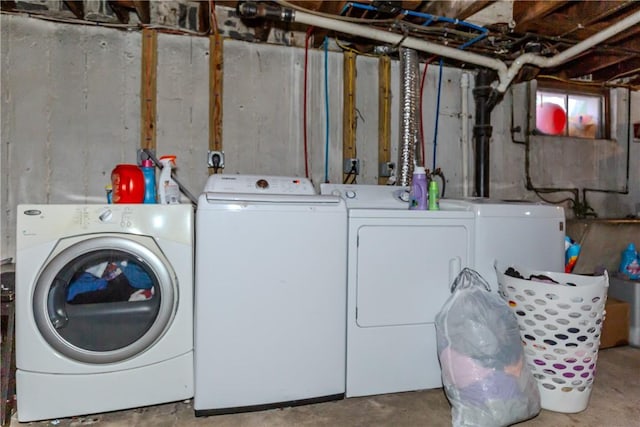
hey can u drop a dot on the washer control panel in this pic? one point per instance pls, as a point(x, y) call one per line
point(259, 184)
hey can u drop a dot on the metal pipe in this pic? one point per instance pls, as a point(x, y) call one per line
point(396, 39)
point(505, 74)
point(408, 115)
point(482, 131)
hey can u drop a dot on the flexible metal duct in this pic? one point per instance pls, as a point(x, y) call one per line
point(409, 115)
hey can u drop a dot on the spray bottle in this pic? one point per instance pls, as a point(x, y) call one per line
point(168, 190)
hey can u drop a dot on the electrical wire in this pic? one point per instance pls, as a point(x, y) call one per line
point(304, 101)
point(326, 108)
point(424, 76)
point(435, 132)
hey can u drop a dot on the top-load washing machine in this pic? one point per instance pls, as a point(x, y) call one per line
point(402, 262)
point(104, 317)
point(270, 283)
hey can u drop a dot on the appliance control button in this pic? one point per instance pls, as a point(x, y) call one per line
point(350, 194)
point(106, 216)
point(336, 193)
point(262, 183)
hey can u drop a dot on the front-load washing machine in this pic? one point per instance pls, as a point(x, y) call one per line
point(104, 316)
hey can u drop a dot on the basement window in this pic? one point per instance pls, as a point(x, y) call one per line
point(576, 112)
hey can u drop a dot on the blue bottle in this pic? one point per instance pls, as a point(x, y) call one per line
point(149, 172)
point(629, 263)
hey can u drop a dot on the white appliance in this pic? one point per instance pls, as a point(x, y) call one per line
point(527, 234)
point(270, 294)
point(104, 316)
point(401, 264)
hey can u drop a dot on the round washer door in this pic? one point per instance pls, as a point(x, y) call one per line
point(105, 299)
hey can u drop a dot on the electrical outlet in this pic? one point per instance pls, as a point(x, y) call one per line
point(385, 169)
point(141, 155)
point(215, 159)
point(352, 166)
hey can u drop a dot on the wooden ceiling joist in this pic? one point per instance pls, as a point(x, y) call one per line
point(524, 12)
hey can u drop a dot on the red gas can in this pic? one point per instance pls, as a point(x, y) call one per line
point(128, 184)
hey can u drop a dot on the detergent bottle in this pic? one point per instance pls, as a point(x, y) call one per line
point(629, 262)
point(168, 190)
point(434, 195)
point(149, 172)
point(418, 193)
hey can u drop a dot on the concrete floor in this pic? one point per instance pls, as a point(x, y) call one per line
point(615, 402)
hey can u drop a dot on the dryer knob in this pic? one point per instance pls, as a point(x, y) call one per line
point(349, 194)
point(336, 193)
point(106, 216)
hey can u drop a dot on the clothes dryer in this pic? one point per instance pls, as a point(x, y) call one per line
point(104, 317)
point(401, 264)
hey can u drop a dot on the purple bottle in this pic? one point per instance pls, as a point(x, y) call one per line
point(418, 193)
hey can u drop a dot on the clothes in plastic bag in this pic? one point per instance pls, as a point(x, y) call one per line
point(484, 373)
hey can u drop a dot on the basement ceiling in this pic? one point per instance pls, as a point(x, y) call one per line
point(503, 29)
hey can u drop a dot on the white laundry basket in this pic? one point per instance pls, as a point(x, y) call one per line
point(560, 326)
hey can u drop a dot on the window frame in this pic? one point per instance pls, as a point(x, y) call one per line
point(569, 88)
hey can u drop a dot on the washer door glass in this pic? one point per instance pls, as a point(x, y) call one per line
point(104, 299)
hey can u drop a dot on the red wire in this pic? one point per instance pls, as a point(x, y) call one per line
point(304, 101)
point(424, 75)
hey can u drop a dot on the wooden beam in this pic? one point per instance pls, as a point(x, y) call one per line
point(349, 110)
point(455, 9)
point(148, 89)
point(76, 7)
point(592, 63)
point(143, 11)
point(216, 67)
point(384, 114)
point(525, 11)
point(121, 10)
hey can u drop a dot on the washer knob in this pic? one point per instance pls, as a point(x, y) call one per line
point(336, 193)
point(262, 183)
point(350, 194)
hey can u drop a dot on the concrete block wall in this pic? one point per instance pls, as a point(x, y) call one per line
point(71, 112)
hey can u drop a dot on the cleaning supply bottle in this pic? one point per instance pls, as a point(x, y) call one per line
point(149, 172)
point(418, 193)
point(629, 262)
point(127, 184)
point(168, 190)
point(434, 195)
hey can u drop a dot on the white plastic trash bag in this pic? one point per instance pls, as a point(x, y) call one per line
point(484, 373)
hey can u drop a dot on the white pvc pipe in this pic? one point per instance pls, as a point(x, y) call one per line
point(464, 89)
point(505, 74)
point(542, 62)
point(397, 39)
